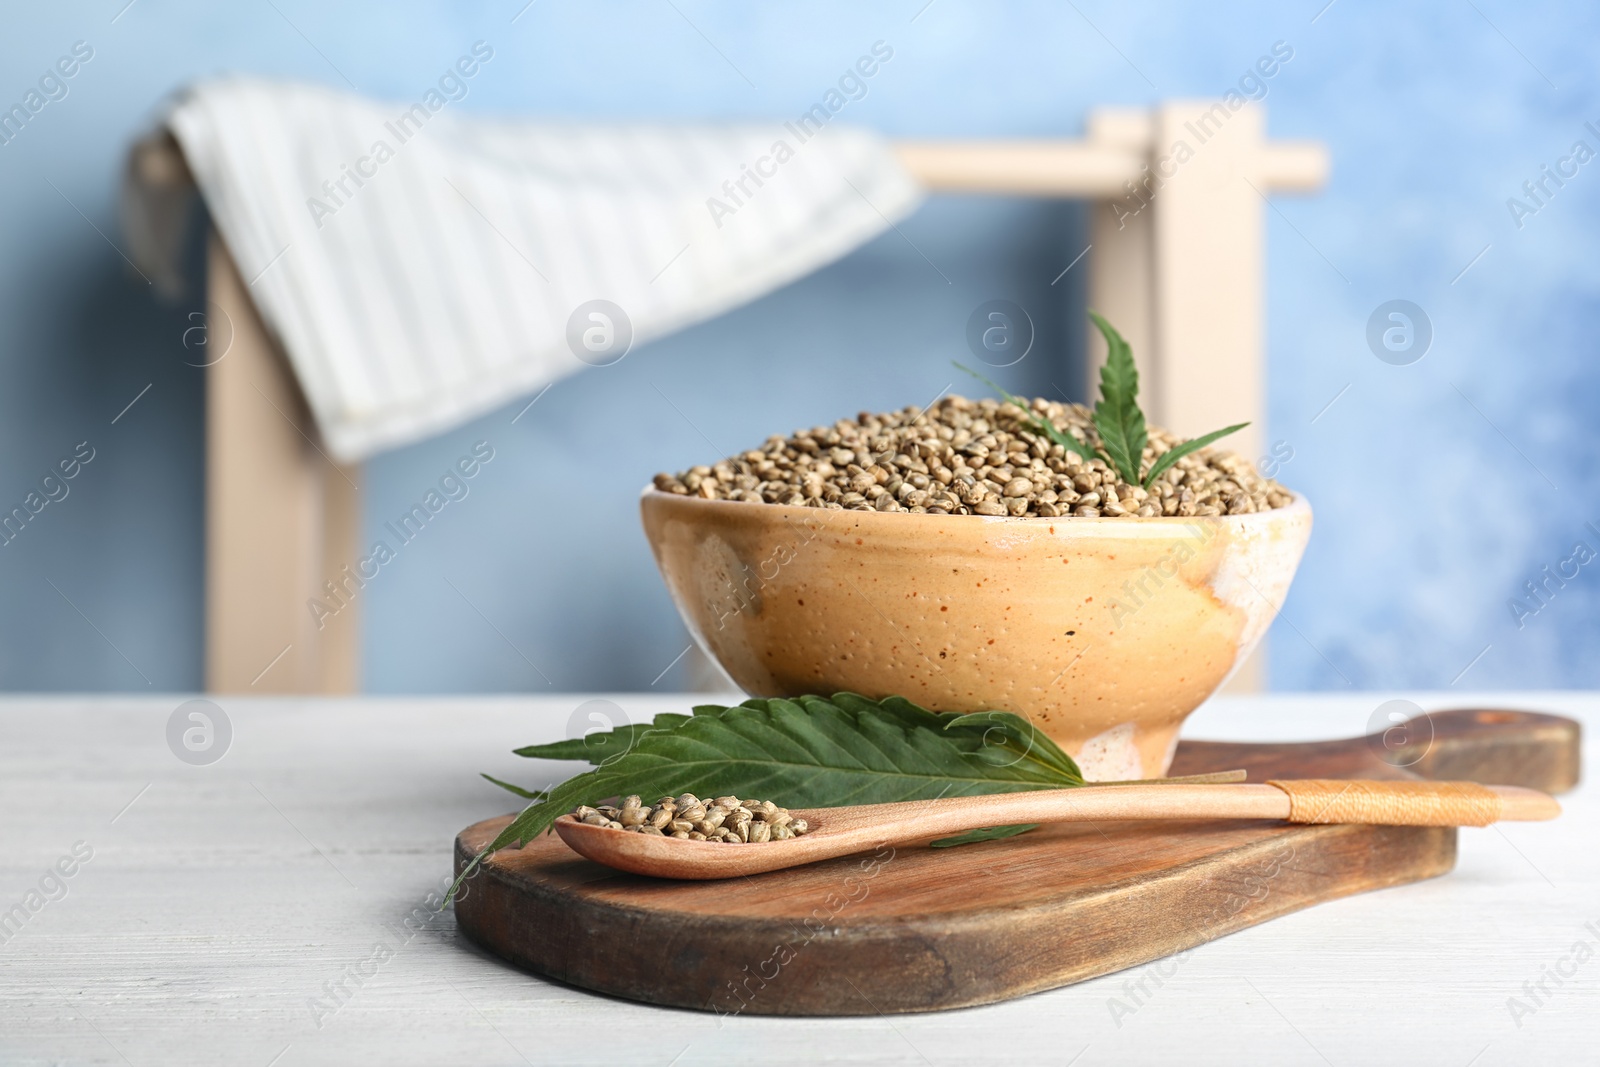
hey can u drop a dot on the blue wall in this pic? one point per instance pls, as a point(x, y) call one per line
point(1440, 487)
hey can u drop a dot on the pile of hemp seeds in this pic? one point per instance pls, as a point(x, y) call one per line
point(726, 819)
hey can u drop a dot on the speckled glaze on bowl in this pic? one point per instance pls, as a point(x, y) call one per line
point(1106, 633)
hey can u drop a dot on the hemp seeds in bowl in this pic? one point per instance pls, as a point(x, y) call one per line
point(978, 457)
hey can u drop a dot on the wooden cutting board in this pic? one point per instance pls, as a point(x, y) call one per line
point(918, 929)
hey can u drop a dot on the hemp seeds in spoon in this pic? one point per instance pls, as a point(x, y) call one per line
point(726, 819)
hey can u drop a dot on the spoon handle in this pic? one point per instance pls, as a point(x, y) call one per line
point(1404, 803)
point(1329, 800)
point(1301, 800)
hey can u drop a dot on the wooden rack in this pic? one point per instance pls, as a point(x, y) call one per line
point(1175, 258)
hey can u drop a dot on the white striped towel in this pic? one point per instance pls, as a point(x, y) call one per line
point(421, 267)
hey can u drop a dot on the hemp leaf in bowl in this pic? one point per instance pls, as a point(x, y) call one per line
point(1117, 418)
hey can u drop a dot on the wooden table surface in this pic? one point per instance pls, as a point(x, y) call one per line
point(262, 910)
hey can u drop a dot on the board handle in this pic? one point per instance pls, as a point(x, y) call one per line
point(1489, 745)
point(1333, 800)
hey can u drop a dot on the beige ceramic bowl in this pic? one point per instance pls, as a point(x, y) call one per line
point(1106, 633)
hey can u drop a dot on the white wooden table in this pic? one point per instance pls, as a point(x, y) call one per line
point(220, 900)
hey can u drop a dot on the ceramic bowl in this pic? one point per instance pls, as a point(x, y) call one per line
point(1106, 633)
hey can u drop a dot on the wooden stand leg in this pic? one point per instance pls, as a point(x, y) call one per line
point(1208, 274)
point(1120, 268)
point(281, 518)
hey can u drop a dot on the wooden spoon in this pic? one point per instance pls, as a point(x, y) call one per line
point(842, 831)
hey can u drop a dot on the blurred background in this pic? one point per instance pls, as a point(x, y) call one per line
point(1441, 486)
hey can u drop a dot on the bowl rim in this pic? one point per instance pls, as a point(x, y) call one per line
point(1298, 506)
